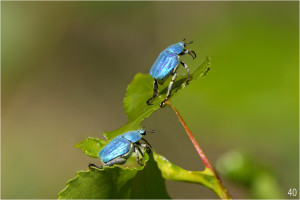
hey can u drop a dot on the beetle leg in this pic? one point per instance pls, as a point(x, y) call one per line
point(148, 145)
point(93, 165)
point(118, 161)
point(187, 70)
point(137, 144)
point(155, 92)
point(140, 150)
point(137, 150)
point(191, 53)
point(169, 88)
point(147, 148)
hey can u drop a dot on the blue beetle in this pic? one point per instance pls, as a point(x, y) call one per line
point(166, 64)
point(121, 147)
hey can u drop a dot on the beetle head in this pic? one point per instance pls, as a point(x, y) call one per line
point(142, 131)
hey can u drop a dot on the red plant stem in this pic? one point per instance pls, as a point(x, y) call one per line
point(200, 152)
point(193, 140)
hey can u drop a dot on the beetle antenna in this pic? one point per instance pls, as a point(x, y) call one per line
point(150, 131)
point(188, 42)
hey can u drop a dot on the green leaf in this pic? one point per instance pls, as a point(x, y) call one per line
point(149, 183)
point(176, 173)
point(91, 146)
point(116, 182)
point(173, 172)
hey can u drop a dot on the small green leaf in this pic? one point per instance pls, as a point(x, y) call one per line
point(116, 182)
point(173, 172)
point(91, 146)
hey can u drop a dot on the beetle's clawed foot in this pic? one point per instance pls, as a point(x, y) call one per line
point(193, 54)
point(162, 104)
point(95, 166)
point(190, 52)
point(153, 97)
point(148, 102)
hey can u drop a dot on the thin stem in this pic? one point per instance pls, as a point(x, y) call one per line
point(225, 194)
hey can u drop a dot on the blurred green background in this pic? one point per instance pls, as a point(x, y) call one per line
point(66, 66)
